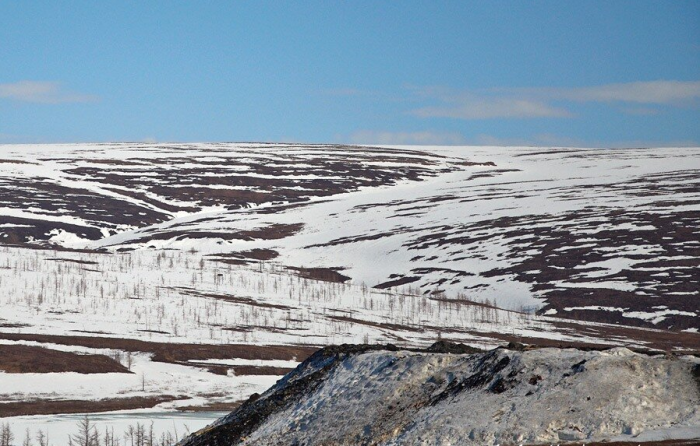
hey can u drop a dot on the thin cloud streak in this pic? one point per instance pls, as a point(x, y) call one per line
point(493, 108)
point(42, 92)
point(527, 103)
point(656, 92)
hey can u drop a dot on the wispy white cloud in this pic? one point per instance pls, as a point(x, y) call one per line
point(483, 104)
point(406, 138)
point(524, 103)
point(655, 92)
point(492, 108)
point(42, 92)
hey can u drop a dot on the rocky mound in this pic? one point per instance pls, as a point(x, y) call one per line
point(382, 395)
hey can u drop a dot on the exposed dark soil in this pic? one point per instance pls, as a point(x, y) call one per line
point(396, 282)
point(240, 370)
point(81, 262)
point(30, 359)
point(174, 353)
point(53, 198)
point(229, 178)
point(210, 407)
point(55, 407)
point(252, 254)
point(26, 230)
point(324, 274)
point(272, 232)
point(561, 246)
point(6, 161)
point(388, 326)
point(235, 299)
point(658, 340)
point(665, 340)
point(244, 370)
point(545, 248)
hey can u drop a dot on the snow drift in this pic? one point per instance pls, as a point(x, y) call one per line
point(446, 395)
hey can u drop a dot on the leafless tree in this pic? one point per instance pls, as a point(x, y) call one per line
point(87, 434)
point(42, 438)
point(27, 439)
point(109, 439)
point(6, 435)
point(139, 436)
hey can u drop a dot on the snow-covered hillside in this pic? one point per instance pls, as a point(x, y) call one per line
point(151, 266)
point(358, 395)
point(598, 234)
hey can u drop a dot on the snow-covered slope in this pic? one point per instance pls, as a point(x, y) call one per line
point(359, 395)
point(195, 259)
point(597, 234)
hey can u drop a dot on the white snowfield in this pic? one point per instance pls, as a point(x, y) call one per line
point(192, 385)
point(544, 396)
point(464, 243)
point(518, 226)
point(180, 296)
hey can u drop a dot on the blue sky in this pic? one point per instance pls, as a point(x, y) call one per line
point(620, 73)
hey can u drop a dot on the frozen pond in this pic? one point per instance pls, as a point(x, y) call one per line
point(60, 426)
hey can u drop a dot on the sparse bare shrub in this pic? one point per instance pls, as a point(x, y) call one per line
point(27, 439)
point(42, 438)
point(6, 435)
point(87, 434)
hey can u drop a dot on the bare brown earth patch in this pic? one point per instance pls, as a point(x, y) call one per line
point(231, 298)
point(324, 274)
point(223, 406)
point(565, 248)
point(20, 231)
point(244, 370)
point(659, 339)
point(473, 163)
point(388, 326)
point(142, 190)
point(56, 199)
point(244, 257)
point(30, 359)
point(174, 353)
point(55, 407)
point(78, 261)
point(13, 325)
point(259, 254)
point(637, 339)
point(241, 370)
point(271, 232)
point(396, 282)
point(6, 161)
